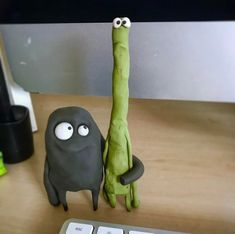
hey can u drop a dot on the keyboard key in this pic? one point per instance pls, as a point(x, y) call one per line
point(109, 230)
point(79, 228)
point(137, 232)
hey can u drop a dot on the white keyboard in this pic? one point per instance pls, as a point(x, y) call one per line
point(78, 226)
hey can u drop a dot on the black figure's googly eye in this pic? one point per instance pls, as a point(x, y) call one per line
point(126, 22)
point(117, 22)
point(83, 130)
point(64, 131)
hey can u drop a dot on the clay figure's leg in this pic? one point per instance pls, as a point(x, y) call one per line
point(135, 201)
point(62, 197)
point(95, 197)
point(112, 199)
point(105, 195)
point(128, 201)
point(51, 191)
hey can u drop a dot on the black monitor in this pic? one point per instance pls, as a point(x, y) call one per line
point(77, 11)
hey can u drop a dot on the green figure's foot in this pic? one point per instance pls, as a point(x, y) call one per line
point(128, 202)
point(105, 195)
point(112, 200)
point(135, 203)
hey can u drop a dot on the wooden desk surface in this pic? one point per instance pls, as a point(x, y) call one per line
point(188, 150)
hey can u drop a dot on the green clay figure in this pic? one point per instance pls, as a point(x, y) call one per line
point(117, 156)
point(3, 169)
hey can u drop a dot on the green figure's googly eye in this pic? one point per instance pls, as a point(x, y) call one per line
point(126, 22)
point(117, 22)
point(64, 131)
point(83, 130)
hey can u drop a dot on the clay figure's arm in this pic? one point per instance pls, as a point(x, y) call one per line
point(51, 192)
point(136, 166)
point(134, 173)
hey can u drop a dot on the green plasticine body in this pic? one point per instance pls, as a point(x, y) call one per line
point(117, 154)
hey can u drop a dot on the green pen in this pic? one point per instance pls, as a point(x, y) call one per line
point(3, 169)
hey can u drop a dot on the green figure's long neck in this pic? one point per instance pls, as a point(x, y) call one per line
point(121, 69)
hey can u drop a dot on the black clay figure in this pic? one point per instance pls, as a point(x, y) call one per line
point(74, 147)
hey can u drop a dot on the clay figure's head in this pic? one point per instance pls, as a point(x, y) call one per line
point(120, 31)
point(71, 130)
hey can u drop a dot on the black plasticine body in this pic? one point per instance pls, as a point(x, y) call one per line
point(76, 163)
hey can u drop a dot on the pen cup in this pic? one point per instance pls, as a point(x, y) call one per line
point(16, 138)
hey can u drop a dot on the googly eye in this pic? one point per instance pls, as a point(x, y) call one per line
point(117, 22)
point(64, 131)
point(83, 130)
point(126, 22)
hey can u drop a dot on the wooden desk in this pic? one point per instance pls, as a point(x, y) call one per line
point(188, 150)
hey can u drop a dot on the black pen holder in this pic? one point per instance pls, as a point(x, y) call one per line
point(16, 138)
